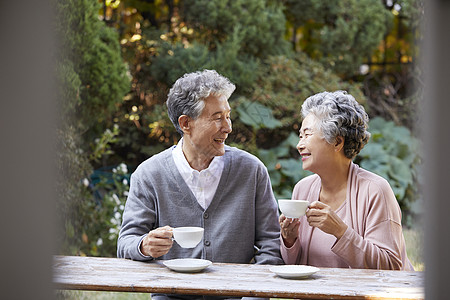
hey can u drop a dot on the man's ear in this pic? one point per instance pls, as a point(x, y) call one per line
point(184, 122)
point(339, 144)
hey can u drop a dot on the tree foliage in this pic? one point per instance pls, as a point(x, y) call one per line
point(92, 80)
point(393, 82)
point(339, 34)
point(247, 41)
point(258, 24)
point(92, 50)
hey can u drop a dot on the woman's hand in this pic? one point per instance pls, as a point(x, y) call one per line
point(289, 230)
point(321, 216)
point(157, 242)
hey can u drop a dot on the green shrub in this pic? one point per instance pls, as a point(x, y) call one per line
point(92, 50)
point(90, 202)
point(174, 60)
point(92, 80)
point(260, 24)
point(110, 189)
point(285, 170)
point(284, 82)
point(72, 165)
point(339, 34)
point(394, 154)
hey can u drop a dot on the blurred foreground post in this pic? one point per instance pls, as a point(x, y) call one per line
point(26, 149)
point(436, 148)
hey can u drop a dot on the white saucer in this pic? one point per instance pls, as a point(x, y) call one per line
point(187, 265)
point(294, 271)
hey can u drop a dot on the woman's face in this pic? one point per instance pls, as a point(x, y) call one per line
point(315, 151)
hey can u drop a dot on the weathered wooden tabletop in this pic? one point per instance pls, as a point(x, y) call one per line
point(234, 280)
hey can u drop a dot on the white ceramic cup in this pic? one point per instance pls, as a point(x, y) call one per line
point(293, 208)
point(188, 237)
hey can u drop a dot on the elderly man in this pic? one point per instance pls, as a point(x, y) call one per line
point(201, 182)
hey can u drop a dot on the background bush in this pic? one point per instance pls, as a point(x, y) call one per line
point(393, 153)
point(119, 59)
point(92, 81)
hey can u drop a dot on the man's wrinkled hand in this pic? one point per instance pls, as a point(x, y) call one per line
point(157, 242)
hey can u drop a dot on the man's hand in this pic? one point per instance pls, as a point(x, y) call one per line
point(157, 242)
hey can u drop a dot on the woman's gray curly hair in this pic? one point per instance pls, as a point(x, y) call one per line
point(339, 114)
point(188, 92)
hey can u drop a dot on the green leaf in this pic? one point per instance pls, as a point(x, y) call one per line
point(375, 152)
point(275, 177)
point(281, 151)
point(285, 193)
point(291, 140)
point(380, 124)
point(292, 168)
point(257, 115)
point(400, 171)
point(398, 190)
point(268, 157)
point(376, 167)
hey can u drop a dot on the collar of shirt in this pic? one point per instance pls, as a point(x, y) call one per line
point(207, 179)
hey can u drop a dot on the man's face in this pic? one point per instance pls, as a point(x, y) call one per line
point(210, 130)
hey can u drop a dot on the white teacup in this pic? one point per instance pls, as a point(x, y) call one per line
point(293, 208)
point(188, 237)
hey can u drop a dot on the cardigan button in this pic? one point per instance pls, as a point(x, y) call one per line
point(205, 216)
point(207, 243)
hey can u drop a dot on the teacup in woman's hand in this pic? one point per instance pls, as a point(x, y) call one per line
point(293, 208)
point(188, 237)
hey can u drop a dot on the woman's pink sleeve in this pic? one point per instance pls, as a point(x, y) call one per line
point(290, 255)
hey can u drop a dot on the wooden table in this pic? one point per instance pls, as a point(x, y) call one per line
point(234, 280)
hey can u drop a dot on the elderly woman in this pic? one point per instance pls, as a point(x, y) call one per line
point(353, 220)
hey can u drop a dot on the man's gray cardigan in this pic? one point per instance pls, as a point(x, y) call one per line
point(242, 215)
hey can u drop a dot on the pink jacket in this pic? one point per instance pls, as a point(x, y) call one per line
point(374, 238)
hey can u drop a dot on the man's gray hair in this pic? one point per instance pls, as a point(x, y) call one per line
point(341, 115)
point(187, 95)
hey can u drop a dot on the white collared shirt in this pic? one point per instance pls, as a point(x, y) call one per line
point(203, 184)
